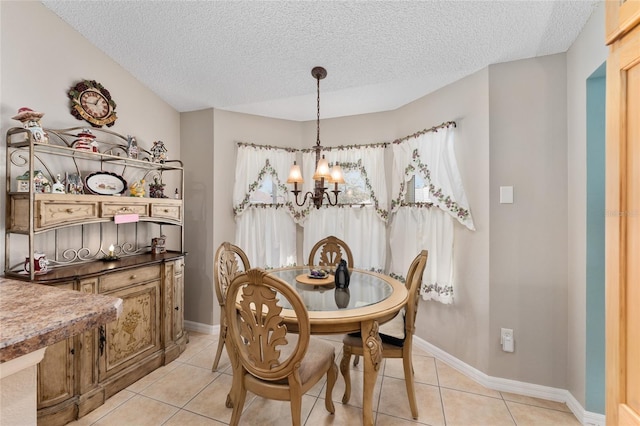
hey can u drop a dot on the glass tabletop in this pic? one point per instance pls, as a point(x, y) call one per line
point(364, 289)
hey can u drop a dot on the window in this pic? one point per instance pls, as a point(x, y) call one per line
point(354, 190)
point(267, 193)
point(417, 191)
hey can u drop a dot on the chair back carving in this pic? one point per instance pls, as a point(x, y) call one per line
point(332, 250)
point(413, 284)
point(258, 333)
point(229, 261)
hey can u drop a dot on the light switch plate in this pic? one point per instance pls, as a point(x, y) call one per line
point(506, 195)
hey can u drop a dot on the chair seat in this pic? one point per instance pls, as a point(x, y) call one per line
point(319, 353)
point(356, 342)
point(391, 332)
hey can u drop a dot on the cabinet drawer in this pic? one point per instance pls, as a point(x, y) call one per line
point(58, 213)
point(110, 209)
point(166, 211)
point(116, 280)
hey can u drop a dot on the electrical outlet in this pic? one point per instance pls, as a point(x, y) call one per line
point(506, 339)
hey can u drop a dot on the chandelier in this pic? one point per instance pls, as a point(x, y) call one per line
point(323, 172)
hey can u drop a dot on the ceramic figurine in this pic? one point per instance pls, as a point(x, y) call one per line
point(159, 152)
point(58, 187)
point(137, 189)
point(85, 141)
point(30, 120)
point(74, 184)
point(132, 147)
point(39, 182)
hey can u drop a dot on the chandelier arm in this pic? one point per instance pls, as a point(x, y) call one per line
point(304, 199)
point(335, 200)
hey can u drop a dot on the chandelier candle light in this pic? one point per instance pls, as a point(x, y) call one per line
point(333, 175)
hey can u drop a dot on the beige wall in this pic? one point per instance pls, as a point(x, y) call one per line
point(528, 240)
point(586, 54)
point(230, 128)
point(42, 57)
point(491, 290)
point(197, 154)
point(461, 329)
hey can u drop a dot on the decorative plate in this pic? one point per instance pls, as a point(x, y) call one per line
point(105, 183)
point(306, 279)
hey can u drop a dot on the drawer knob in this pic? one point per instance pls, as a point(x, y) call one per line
point(69, 210)
point(166, 210)
point(133, 277)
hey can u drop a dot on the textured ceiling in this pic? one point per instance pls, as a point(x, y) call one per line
point(256, 56)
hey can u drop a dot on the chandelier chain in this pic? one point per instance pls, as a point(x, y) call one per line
point(318, 117)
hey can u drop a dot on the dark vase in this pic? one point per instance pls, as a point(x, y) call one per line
point(342, 275)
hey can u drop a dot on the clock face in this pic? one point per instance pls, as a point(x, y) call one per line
point(90, 101)
point(94, 103)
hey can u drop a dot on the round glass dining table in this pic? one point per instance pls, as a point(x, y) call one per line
point(371, 299)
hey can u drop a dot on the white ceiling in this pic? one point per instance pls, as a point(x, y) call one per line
point(256, 56)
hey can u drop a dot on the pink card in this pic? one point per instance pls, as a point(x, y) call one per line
point(126, 218)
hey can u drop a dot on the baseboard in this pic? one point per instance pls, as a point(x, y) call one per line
point(202, 328)
point(506, 385)
point(496, 383)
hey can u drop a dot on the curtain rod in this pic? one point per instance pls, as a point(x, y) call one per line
point(253, 145)
point(446, 124)
point(422, 132)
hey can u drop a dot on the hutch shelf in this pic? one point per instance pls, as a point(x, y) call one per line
point(97, 240)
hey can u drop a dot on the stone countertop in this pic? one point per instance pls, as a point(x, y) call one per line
point(33, 316)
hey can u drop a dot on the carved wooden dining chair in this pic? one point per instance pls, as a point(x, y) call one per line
point(332, 250)
point(396, 335)
point(268, 360)
point(228, 262)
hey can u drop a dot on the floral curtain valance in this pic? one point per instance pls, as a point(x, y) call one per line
point(266, 232)
point(253, 163)
point(367, 160)
point(432, 156)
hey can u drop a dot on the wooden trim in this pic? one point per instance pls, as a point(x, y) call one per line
point(613, 225)
point(620, 18)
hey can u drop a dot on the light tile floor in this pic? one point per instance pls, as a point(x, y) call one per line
point(186, 392)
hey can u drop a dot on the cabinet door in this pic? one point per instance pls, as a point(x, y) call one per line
point(55, 371)
point(88, 347)
point(623, 230)
point(178, 300)
point(136, 333)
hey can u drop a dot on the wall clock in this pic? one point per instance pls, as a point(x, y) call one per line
point(90, 101)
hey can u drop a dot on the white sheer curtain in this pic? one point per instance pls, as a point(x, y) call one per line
point(359, 227)
point(431, 156)
point(267, 236)
point(413, 229)
point(267, 233)
point(362, 228)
